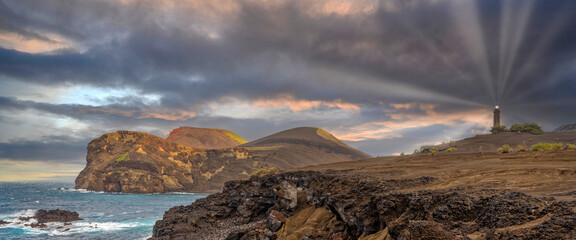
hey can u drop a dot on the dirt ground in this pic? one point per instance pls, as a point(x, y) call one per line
point(491, 142)
point(549, 174)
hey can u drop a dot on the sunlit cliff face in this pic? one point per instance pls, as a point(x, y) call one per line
point(386, 76)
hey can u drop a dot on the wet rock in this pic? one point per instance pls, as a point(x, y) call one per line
point(45, 216)
point(2, 222)
point(38, 225)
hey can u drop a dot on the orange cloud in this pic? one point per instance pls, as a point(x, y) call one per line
point(402, 121)
point(21, 43)
point(297, 105)
point(403, 105)
point(343, 7)
point(172, 115)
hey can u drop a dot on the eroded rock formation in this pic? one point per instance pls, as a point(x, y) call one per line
point(135, 162)
point(339, 205)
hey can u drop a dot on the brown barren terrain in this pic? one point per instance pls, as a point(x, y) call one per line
point(551, 173)
point(491, 142)
point(524, 195)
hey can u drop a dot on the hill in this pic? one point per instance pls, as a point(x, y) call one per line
point(566, 127)
point(491, 142)
point(135, 162)
point(303, 146)
point(208, 138)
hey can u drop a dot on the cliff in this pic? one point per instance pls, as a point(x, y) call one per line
point(467, 196)
point(207, 138)
point(135, 162)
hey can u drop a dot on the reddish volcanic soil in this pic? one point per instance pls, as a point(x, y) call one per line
point(206, 138)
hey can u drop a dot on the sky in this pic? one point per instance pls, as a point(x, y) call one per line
point(384, 76)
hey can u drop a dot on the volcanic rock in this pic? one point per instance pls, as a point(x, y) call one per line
point(135, 162)
point(409, 197)
point(45, 216)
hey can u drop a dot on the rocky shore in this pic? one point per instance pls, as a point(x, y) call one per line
point(41, 217)
point(352, 204)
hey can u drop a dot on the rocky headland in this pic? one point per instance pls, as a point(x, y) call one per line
point(135, 162)
point(528, 195)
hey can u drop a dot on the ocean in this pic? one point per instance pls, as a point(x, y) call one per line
point(106, 215)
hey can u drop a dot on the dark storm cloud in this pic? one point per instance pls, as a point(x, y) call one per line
point(264, 51)
point(258, 55)
point(189, 57)
point(49, 69)
point(53, 150)
point(131, 111)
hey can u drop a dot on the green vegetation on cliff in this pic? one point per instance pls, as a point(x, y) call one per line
point(121, 158)
point(263, 171)
point(235, 137)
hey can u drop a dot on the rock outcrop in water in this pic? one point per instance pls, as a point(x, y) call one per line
point(373, 199)
point(135, 162)
point(41, 217)
point(45, 216)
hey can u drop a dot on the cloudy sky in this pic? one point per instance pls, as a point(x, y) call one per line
point(386, 76)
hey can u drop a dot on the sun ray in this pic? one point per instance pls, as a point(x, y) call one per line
point(512, 30)
point(467, 20)
point(416, 30)
point(549, 34)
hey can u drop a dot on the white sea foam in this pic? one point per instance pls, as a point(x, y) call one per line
point(79, 190)
point(18, 220)
point(57, 228)
point(23, 213)
point(183, 193)
point(89, 191)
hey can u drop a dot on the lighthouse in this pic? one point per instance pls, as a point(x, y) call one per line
point(496, 116)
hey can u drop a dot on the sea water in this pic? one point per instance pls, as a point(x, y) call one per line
point(106, 215)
